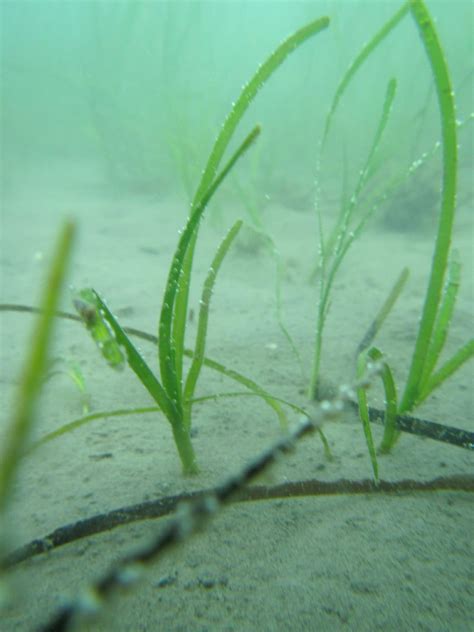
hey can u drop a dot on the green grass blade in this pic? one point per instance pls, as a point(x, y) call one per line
point(443, 319)
point(83, 421)
point(248, 383)
point(86, 305)
point(249, 92)
point(200, 346)
point(342, 226)
point(364, 415)
point(465, 353)
point(36, 364)
point(335, 241)
point(366, 51)
point(390, 433)
point(442, 80)
point(384, 311)
point(138, 364)
point(334, 250)
point(171, 335)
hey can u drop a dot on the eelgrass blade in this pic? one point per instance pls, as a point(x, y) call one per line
point(390, 433)
point(364, 415)
point(36, 363)
point(171, 334)
point(134, 358)
point(83, 421)
point(249, 92)
point(366, 51)
point(248, 383)
point(386, 190)
point(200, 346)
point(443, 319)
point(333, 251)
point(342, 227)
point(85, 302)
point(278, 283)
point(465, 353)
point(383, 312)
point(442, 80)
point(168, 406)
point(122, 412)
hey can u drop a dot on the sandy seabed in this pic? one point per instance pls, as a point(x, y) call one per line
point(367, 562)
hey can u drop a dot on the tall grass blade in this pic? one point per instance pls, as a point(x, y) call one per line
point(171, 334)
point(334, 250)
point(364, 415)
point(383, 312)
point(465, 353)
point(200, 346)
point(36, 364)
point(443, 319)
point(343, 225)
point(366, 51)
point(83, 421)
point(137, 363)
point(248, 383)
point(249, 92)
point(442, 80)
point(390, 433)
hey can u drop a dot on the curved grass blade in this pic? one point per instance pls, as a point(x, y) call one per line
point(83, 421)
point(249, 92)
point(342, 226)
point(443, 85)
point(383, 312)
point(465, 353)
point(366, 51)
point(334, 251)
point(364, 414)
point(248, 383)
point(36, 363)
point(390, 433)
point(443, 319)
point(171, 334)
point(174, 415)
point(200, 346)
point(86, 305)
point(136, 361)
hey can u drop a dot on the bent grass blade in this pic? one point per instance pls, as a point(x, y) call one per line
point(200, 346)
point(171, 330)
point(248, 94)
point(443, 86)
point(32, 377)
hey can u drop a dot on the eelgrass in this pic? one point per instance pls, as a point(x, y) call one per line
point(19, 429)
point(173, 400)
point(423, 377)
point(36, 363)
point(428, 346)
point(172, 392)
point(347, 229)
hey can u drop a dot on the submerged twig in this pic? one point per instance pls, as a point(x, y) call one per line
point(164, 506)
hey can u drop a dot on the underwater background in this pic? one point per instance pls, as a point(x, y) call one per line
point(108, 113)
